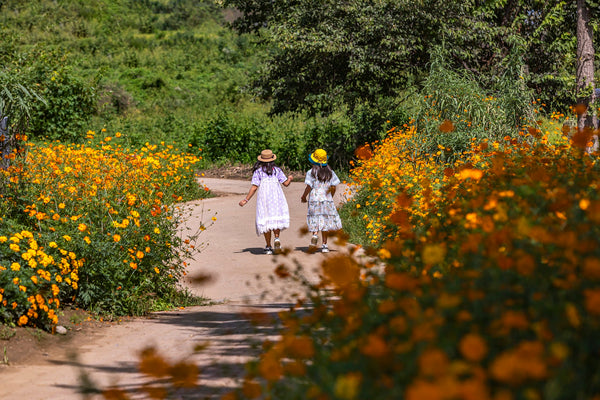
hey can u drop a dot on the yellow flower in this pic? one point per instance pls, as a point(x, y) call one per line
point(116, 238)
point(15, 266)
point(433, 254)
point(67, 238)
point(23, 320)
point(139, 254)
point(156, 270)
point(82, 227)
point(347, 386)
point(157, 231)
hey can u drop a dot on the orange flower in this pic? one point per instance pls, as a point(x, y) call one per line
point(473, 347)
point(375, 346)
point(433, 362)
point(446, 126)
point(592, 301)
point(591, 268)
point(269, 367)
point(23, 320)
point(400, 281)
point(184, 374)
point(299, 346)
point(421, 389)
point(152, 364)
point(341, 270)
point(363, 152)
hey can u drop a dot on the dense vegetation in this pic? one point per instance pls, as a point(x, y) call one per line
point(156, 71)
point(479, 215)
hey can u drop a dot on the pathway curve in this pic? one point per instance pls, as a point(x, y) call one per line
point(241, 284)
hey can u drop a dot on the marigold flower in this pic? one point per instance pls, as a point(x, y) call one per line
point(446, 126)
point(592, 301)
point(341, 270)
point(375, 346)
point(347, 386)
point(400, 281)
point(269, 367)
point(152, 364)
point(251, 389)
point(433, 254)
point(473, 347)
point(433, 362)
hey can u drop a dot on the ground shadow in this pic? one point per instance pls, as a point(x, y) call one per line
point(233, 334)
point(252, 250)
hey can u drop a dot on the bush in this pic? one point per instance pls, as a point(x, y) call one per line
point(476, 113)
point(103, 220)
point(495, 293)
point(69, 101)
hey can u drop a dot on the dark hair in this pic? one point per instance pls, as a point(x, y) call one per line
point(322, 173)
point(267, 167)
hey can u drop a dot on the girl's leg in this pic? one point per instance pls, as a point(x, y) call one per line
point(276, 232)
point(268, 238)
point(324, 234)
point(314, 239)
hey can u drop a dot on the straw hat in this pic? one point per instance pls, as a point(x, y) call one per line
point(267, 156)
point(319, 157)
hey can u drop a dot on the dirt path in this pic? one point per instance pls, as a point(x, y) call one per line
point(233, 256)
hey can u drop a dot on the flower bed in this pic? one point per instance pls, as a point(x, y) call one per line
point(94, 225)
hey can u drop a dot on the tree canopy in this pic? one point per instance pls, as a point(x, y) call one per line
point(328, 52)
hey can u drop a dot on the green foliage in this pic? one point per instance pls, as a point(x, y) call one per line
point(97, 226)
point(331, 53)
point(16, 99)
point(69, 103)
point(476, 112)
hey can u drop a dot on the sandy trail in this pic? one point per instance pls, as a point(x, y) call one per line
point(233, 256)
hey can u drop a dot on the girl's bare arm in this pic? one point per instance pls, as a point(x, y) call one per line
point(307, 190)
point(288, 181)
point(251, 192)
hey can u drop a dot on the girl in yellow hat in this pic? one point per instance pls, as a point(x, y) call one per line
point(322, 216)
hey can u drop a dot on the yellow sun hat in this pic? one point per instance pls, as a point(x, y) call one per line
point(319, 157)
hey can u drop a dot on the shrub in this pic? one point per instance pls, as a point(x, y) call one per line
point(112, 213)
point(476, 113)
point(493, 294)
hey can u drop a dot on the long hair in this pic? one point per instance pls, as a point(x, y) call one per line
point(322, 173)
point(267, 167)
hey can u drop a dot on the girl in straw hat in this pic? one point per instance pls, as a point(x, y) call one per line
point(272, 213)
point(322, 215)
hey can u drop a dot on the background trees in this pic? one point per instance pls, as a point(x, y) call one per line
point(325, 53)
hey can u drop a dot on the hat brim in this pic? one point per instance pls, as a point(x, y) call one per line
point(315, 162)
point(269, 160)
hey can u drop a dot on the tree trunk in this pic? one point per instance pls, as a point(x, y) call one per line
point(585, 69)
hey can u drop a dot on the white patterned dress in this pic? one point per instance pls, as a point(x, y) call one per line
point(272, 210)
point(322, 214)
